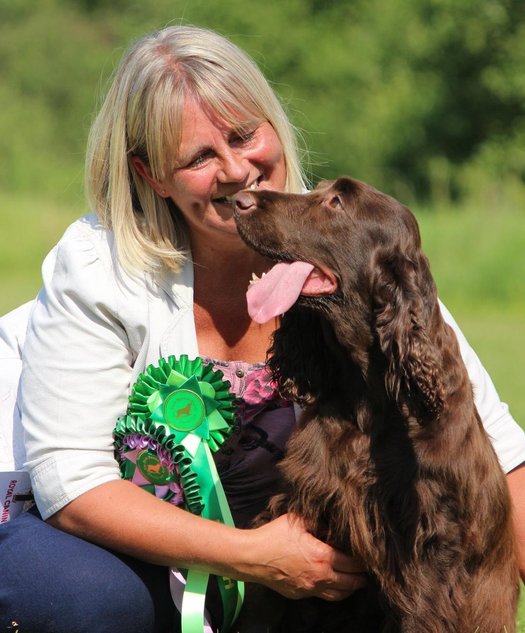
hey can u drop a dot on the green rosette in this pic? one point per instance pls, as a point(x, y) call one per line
point(185, 396)
point(179, 412)
point(152, 459)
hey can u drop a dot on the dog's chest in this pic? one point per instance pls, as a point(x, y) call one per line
point(341, 479)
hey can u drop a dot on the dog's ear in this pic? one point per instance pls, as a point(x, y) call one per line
point(404, 299)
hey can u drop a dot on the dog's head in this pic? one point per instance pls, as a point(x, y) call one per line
point(351, 256)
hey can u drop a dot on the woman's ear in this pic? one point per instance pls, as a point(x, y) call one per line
point(145, 172)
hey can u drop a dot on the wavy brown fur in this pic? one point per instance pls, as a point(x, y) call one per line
point(389, 460)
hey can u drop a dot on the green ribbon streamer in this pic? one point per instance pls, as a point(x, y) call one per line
point(193, 599)
point(191, 405)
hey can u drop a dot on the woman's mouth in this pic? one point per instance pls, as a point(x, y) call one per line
point(229, 199)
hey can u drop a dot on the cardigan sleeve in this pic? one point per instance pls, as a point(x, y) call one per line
point(76, 371)
point(508, 438)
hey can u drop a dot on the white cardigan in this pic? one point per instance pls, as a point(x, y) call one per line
point(92, 330)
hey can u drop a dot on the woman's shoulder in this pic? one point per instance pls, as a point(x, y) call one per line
point(82, 273)
point(87, 242)
point(87, 234)
point(86, 254)
point(85, 263)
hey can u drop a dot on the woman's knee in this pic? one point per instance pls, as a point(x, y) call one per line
point(57, 583)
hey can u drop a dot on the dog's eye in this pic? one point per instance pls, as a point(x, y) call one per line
point(334, 202)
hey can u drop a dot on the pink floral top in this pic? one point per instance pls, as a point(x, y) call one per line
point(247, 462)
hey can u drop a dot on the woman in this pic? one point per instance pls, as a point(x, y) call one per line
point(188, 121)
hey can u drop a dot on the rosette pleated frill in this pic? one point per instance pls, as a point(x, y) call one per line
point(179, 412)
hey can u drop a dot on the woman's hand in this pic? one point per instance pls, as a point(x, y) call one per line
point(294, 563)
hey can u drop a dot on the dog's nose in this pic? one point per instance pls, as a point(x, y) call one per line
point(244, 201)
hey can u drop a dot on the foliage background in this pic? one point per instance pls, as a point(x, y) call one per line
point(423, 98)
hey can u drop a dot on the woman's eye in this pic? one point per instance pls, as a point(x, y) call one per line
point(239, 138)
point(198, 160)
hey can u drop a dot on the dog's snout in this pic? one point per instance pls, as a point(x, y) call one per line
point(244, 201)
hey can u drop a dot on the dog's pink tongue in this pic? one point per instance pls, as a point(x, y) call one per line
point(277, 291)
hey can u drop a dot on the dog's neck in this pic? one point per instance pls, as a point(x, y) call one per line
point(313, 366)
point(335, 364)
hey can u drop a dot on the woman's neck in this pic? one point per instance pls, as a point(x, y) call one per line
point(224, 328)
point(231, 267)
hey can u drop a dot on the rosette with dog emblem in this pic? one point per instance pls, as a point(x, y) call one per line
point(179, 412)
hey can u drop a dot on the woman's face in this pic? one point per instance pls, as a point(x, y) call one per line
point(215, 161)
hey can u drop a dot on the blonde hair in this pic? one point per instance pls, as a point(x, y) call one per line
point(141, 116)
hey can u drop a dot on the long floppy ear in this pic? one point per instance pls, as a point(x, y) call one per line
point(405, 301)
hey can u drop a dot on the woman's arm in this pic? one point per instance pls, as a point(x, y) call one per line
point(281, 554)
point(77, 365)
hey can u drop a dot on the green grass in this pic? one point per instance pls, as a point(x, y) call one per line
point(477, 257)
point(30, 228)
point(520, 620)
point(478, 261)
point(499, 339)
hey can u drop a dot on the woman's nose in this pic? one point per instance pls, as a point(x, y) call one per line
point(233, 168)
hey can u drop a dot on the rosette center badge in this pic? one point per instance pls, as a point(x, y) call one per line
point(184, 410)
point(152, 469)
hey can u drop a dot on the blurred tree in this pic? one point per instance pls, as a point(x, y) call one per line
point(423, 98)
point(51, 63)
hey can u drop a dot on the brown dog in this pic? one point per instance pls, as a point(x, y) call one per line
point(389, 460)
